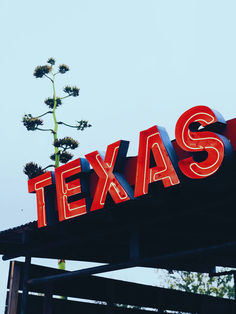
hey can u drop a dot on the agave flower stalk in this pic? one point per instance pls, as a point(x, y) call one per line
point(35, 123)
point(32, 123)
point(57, 159)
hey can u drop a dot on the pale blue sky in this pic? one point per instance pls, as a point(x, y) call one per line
point(137, 63)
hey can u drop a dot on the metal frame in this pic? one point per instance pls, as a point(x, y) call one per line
point(112, 292)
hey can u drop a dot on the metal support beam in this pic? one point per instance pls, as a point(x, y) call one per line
point(129, 264)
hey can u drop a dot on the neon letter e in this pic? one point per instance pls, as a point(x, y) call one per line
point(66, 188)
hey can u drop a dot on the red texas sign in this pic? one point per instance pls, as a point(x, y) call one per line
point(203, 141)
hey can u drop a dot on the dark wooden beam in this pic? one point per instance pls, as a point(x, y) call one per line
point(129, 264)
point(13, 285)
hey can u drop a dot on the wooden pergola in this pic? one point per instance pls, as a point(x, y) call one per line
point(190, 226)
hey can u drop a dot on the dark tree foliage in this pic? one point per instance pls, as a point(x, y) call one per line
point(221, 286)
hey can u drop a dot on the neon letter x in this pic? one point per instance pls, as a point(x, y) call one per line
point(108, 181)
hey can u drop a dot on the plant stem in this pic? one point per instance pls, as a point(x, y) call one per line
point(66, 96)
point(49, 166)
point(71, 126)
point(61, 262)
point(55, 122)
point(44, 114)
point(49, 78)
point(45, 130)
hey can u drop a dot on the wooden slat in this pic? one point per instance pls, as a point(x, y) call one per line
point(60, 306)
point(95, 288)
point(13, 285)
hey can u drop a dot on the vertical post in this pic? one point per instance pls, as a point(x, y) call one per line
point(14, 282)
point(25, 287)
point(62, 266)
point(110, 298)
point(110, 307)
point(47, 303)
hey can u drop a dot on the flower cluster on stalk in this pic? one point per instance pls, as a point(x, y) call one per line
point(71, 91)
point(51, 61)
point(61, 146)
point(63, 68)
point(82, 124)
point(50, 102)
point(31, 123)
point(63, 156)
point(41, 70)
point(33, 170)
point(66, 143)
